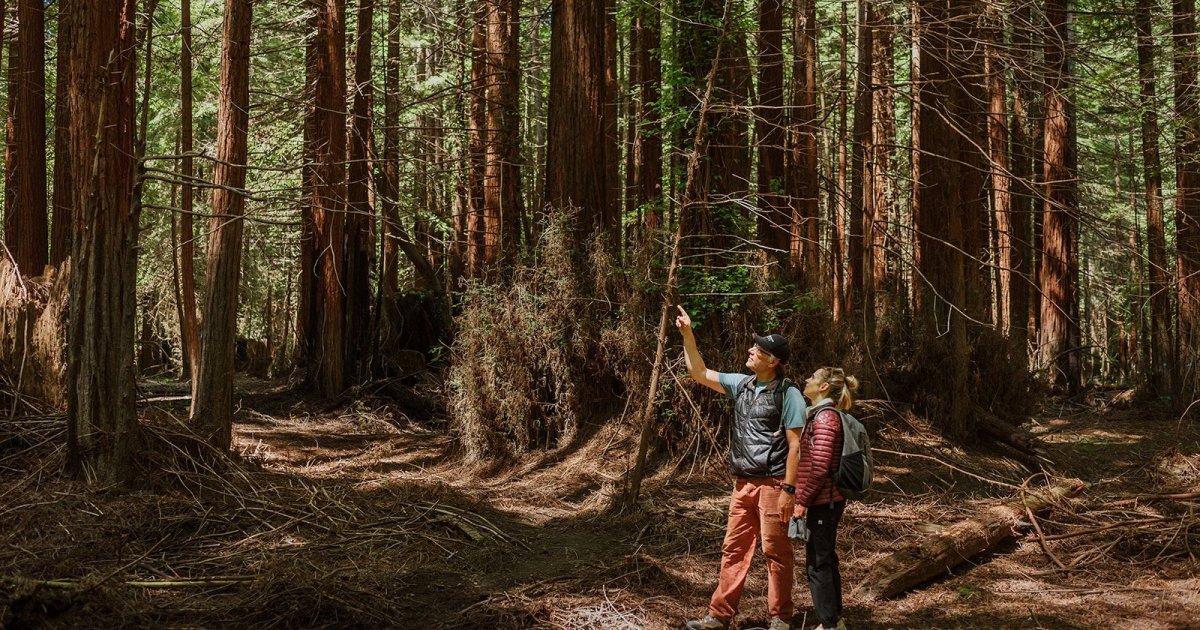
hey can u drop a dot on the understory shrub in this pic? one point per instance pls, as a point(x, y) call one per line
point(526, 364)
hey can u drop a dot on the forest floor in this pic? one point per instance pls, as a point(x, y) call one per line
point(358, 515)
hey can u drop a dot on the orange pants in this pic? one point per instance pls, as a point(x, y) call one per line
point(753, 510)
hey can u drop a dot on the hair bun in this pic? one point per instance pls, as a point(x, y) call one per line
point(851, 383)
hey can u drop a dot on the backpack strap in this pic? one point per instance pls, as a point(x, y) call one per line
point(780, 394)
point(807, 428)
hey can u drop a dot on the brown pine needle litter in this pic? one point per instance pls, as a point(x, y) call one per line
point(355, 516)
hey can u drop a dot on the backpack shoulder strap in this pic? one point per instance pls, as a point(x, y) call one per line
point(781, 393)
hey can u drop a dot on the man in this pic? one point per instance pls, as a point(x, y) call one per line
point(763, 458)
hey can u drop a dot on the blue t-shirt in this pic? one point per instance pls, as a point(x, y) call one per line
point(794, 408)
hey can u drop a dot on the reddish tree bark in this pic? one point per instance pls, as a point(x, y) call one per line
point(62, 229)
point(389, 182)
point(1026, 144)
point(502, 206)
point(102, 428)
point(1059, 332)
point(26, 222)
point(1159, 371)
point(998, 138)
point(326, 343)
point(862, 179)
point(937, 197)
point(189, 326)
point(645, 64)
point(970, 121)
point(803, 174)
point(1187, 194)
point(577, 151)
point(212, 405)
point(306, 315)
point(360, 218)
point(475, 230)
point(883, 143)
point(774, 217)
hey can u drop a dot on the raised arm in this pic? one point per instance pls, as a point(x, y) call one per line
point(691, 354)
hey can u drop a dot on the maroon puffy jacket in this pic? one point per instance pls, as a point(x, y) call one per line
point(820, 452)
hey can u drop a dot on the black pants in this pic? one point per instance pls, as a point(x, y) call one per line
point(821, 561)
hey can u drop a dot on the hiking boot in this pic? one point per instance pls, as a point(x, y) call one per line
point(709, 622)
point(779, 624)
point(840, 626)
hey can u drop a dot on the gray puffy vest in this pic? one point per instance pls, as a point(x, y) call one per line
point(760, 446)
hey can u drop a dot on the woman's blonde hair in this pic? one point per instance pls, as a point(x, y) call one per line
point(841, 386)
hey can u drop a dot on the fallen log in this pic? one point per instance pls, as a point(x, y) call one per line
point(931, 556)
point(992, 426)
point(1014, 442)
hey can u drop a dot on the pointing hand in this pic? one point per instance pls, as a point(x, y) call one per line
point(683, 320)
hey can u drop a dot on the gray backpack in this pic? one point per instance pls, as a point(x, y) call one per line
point(856, 469)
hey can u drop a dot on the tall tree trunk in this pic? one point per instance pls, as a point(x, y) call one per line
point(971, 105)
point(502, 206)
point(1158, 371)
point(389, 180)
point(26, 222)
point(102, 428)
point(883, 142)
point(577, 152)
point(477, 143)
point(612, 131)
point(861, 178)
point(646, 76)
point(360, 218)
point(212, 406)
point(1187, 195)
point(774, 217)
point(837, 242)
point(803, 170)
point(326, 342)
point(306, 301)
point(941, 290)
point(1008, 252)
point(62, 230)
point(1060, 254)
point(1026, 143)
point(189, 326)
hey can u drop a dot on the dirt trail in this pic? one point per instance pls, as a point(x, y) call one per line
point(378, 523)
point(583, 567)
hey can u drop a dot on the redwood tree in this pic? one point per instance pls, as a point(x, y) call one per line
point(502, 207)
point(577, 152)
point(102, 428)
point(189, 326)
point(1059, 332)
point(773, 215)
point(1158, 374)
point(325, 331)
point(862, 180)
point(212, 405)
point(360, 218)
point(26, 222)
point(63, 198)
point(998, 150)
point(1187, 195)
point(645, 69)
point(803, 173)
point(941, 290)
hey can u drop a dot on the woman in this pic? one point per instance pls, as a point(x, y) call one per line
point(817, 498)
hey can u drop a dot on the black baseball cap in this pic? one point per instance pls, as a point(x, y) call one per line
point(774, 343)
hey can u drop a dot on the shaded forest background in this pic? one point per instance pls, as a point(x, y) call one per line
point(969, 203)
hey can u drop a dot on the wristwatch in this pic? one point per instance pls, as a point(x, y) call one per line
point(788, 488)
